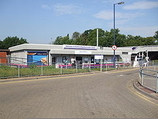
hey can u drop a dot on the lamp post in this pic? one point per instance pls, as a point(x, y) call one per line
point(114, 31)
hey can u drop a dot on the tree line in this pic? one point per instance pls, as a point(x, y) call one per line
point(88, 37)
point(11, 41)
point(106, 39)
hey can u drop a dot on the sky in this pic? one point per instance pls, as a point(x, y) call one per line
point(42, 21)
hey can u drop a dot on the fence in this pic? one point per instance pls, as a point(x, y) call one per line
point(10, 70)
point(149, 79)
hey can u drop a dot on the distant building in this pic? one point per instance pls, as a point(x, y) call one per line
point(3, 56)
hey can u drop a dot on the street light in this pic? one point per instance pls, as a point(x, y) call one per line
point(114, 30)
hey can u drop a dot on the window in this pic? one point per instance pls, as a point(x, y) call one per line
point(125, 53)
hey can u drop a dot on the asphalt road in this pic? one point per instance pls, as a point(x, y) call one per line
point(97, 95)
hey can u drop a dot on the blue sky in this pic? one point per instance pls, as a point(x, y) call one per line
point(41, 21)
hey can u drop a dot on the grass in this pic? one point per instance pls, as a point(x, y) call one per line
point(9, 71)
point(6, 71)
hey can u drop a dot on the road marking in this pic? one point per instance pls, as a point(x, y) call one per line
point(41, 79)
point(140, 95)
point(118, 71)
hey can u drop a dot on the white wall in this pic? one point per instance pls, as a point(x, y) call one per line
point(19, 57)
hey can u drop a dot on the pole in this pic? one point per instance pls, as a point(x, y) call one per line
point(114, 38)
point(61, 69)
point(76, 67)
point(114, 29)
point(18, 71)
point(101, 65)
point(157, 83)
point(97, 37)
point(41, 69)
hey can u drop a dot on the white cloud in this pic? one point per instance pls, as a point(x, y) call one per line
point(142, 5)
point(104, 15)
point(45, 7)
point(108, 15)
point(66, 9)
point(111, 1)
point(141, 31)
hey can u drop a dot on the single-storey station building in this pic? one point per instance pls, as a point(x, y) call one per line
point(49, 54)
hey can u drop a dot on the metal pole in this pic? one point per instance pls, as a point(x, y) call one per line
point(142, 77)
point(157, 83)
point(114, 29)
point(114, 36)
point(18, 71)
point(42, 69)
point(76, 68)
point(89, 67)
point(61, 69)
point(101, 68)
point(97, 37)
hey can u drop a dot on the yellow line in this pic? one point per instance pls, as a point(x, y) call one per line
point(142, 96)
point(41, 79)
point(145, 98)
point(123, 70)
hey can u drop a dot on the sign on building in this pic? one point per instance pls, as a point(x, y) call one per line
point(98, 57)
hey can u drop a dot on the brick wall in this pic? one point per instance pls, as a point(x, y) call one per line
point(3, 58)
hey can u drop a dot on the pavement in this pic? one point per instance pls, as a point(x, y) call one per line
point(145, 90)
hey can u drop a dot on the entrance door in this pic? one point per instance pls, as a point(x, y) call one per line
point(79, 60)
point(53, 60)
point(92, 59)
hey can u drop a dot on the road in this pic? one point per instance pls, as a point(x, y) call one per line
point(91, 95)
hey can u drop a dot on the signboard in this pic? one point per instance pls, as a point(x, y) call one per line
point(82, 52)
point(98, 57)
point(80, 47)
point(37, 57)
point(114, 47)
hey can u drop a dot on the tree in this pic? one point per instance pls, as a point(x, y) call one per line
point(1, 44)
point(76, 38)
point(12, 41)
point(150, 41)
point(156, 35)
point(62, 40)
point(84, 37)
point(75, 35)
point(58, 40)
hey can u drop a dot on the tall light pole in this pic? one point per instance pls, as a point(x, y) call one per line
point(114, 31)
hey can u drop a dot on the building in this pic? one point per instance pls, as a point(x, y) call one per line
point(59, 54)
point(3, 56)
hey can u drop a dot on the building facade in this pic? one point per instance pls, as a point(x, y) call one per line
point(60, 54)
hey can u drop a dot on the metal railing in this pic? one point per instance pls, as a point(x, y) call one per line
point(149, 79)
point(11, 67)
point(12, 70)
